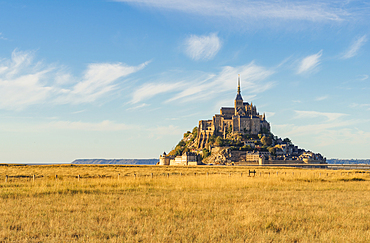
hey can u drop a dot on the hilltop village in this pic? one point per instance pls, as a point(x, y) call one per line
point(239, 135)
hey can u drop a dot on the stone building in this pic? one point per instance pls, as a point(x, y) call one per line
point(187, 158)
point(242, 118)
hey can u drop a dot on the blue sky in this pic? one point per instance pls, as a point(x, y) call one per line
point(126, 78)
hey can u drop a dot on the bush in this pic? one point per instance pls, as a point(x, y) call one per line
point(212, 139)
point(181, 144)
point(272, 150)
point(267, 141)
point(206, 153)
point(219, 141)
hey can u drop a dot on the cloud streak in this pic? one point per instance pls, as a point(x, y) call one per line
point(316, 114)
point(333, 130)
point(355, 47)
point(2, 37)
point(248, 10)
point(207, 85)
point(149, 90)
point(203, 47)
point(24, 82)
point(309, 63)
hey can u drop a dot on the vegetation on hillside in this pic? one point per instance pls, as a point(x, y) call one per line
point(187, 143)
point(264, 141)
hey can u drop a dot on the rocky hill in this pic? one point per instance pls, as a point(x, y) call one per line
point(234, 146)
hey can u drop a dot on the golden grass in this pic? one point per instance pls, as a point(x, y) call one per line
point(295, 205)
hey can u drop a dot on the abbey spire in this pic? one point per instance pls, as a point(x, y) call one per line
point(238, 95)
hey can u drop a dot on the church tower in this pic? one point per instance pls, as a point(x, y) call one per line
point(238, 99)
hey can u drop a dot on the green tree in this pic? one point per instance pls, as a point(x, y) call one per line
point(181, 143)
point(206, 153)
point(219, 141)
point(212, 139)
point(272, 150)
point(267, 141)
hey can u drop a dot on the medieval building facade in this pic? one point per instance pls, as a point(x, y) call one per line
point(242, 118)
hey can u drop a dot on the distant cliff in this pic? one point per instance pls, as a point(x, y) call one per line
point(117, 161)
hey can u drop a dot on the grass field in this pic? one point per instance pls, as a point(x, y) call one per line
point(182, 204)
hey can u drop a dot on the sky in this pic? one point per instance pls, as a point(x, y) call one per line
point(126, 78)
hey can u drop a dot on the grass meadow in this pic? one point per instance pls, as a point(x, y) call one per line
point(182, 204)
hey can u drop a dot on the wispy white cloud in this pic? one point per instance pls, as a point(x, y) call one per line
point(24, 82)
point(328, 134)
point(203, 47)
point(363, 77)
point(2, 37)
point(99, 79)
point(166, 130)
point(321, 98)
point(103, 126)
point(148, 90)
point(77, 112)
point(335, 129)
point(252, 77)
point(137, 107)
point(309, 63)
point(362, 106)
point(315, 114)
point(246, 11)
point(355, 47)
point(88, 126)
point(207, 85)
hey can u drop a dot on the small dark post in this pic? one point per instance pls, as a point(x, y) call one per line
point(6, 178)
point(78, 177)
point(180, 174)
point(241, 174)
point(118, 176)
point(168, 175)
point(151, 175)
point(56, 177)
point(195, 174)
point(33, 178)
point(135, 176)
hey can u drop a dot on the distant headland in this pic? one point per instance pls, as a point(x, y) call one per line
point(117, 161)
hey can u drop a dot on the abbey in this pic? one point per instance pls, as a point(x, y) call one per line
point(239, 135)
point(242, 118)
